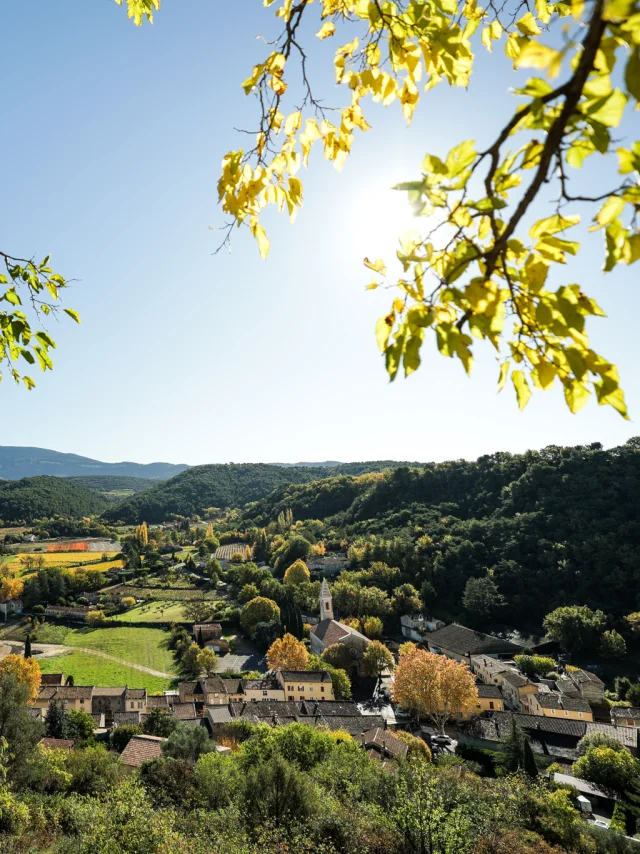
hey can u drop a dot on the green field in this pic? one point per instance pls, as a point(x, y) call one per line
point(135, 644)
point(166, 594)
point(88, 669)
point(154, 612)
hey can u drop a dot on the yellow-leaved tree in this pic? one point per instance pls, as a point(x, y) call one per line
point(297, 573)
point(482, 271)
point(25, 670)
point(287, 653)
point(11, 588)
point(433, 686)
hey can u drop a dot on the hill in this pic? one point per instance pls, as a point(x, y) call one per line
point(557, 526)
point(114, 483)
point(18, 462)
point(43, 497)
point(228, 485)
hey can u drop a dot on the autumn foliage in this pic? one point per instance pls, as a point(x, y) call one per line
point(297, 573)
point(10, 588)
point(25, 670)
point(287, 653)
point(433, 686)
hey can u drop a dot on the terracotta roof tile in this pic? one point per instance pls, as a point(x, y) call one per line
point(142, 748)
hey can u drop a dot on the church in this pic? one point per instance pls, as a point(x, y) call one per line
point(329, 631)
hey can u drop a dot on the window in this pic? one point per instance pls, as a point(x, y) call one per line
point(139, 705)
point(491, 704)
point(553, 711)
point(300, 687)
point(290, 687)
point(579, 714)
point(265, 693)
point(566, 713)
point(322, 689)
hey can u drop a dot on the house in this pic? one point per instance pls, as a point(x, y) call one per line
point(158, 702)
point(490, 670)
point(553, 738)
point(329, 631)
point(380, 743)
point(267, 688)
point(184, 711)
point(186, 692)
point(415, 626)
point(628, 737)
point(306, 684)
point(78, 612)
point(56, 744)
point(209, 635)
point(141, 748)
point(603, 799)
point(490, 699)
point(460, 643)
point(628, 716)
point(554, 704)
point(52, 679)
point(330, 714)
point(517, 690)
point(29, 538)
point(330, 564)
point(108, 701)
point(581, 683)
point(11, 606)
point(74, 697)
point(126, 718)
point(214, 691)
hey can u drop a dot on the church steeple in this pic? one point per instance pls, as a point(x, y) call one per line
point(326, 601)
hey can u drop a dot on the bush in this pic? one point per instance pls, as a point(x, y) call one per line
point(14, 816)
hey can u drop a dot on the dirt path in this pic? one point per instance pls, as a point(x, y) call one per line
point(50, 650)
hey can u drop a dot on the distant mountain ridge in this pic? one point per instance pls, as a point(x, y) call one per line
point(17, 462)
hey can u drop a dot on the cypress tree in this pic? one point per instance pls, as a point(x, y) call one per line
point(56, 720)
point(27, 646)
point(530, 766)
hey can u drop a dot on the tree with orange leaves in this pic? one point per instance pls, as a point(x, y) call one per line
point(287, 653)
point(11, 588)
point(25, 670)
point(433, 686)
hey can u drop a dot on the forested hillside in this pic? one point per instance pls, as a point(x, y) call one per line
point(114, 483)
point(42, 497)
point(230, 485)
point(553, 527)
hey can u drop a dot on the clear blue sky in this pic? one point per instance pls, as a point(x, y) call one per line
point(112, 142)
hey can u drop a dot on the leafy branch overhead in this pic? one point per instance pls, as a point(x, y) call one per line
point(479, 273)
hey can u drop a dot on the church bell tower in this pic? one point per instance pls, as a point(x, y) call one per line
point(326, 602)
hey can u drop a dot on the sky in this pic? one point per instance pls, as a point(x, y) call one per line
point(112, 143)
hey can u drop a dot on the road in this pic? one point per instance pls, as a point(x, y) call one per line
point(50, 650)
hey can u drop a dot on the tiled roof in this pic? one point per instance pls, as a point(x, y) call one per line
point(464, 641)
point(219, 714)
point(184, 711)
point(266, 684)
point(515, 679)
point(123, 718)
point(328, 708)
point(625, 712)
point(108, 692)
point(136, 694)
point(207, 627)
point(56, 743)
point(331, 631)
point(158, 702)
point(489, 692)
point(36, 713)
point(492, 665)
point(561, 701)
point(583, 786)
point(47, 692)
point(142, 748)
point(582, 676)
point(626, 735)
point(52, 679)
point(217, 685)
point(74, 692)
point(305, 676)
point(495, 727)
point(385, 740)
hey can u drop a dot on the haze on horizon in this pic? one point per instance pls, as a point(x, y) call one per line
point(185, 356)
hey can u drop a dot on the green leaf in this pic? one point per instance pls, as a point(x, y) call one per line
point(608, 110)
point(12, 297)
point(460, 157)
point(610, 210)
point(632, 73)
point(576, 394)
point(45, 340)
point(73, 314)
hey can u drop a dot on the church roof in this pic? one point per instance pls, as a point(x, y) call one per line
point(331, 631)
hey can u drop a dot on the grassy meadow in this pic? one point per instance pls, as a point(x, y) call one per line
point(154, 612)
point(88, 669)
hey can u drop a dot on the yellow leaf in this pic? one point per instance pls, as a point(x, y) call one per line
point(527, 25)
point(504, 372)
point(383, 330)
point(610, 210)
point(377, 266)
point(260, 235)
point(536, 55)
point(326, 30)
point(523, 392)
point(576, 394)
point(552, 224)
